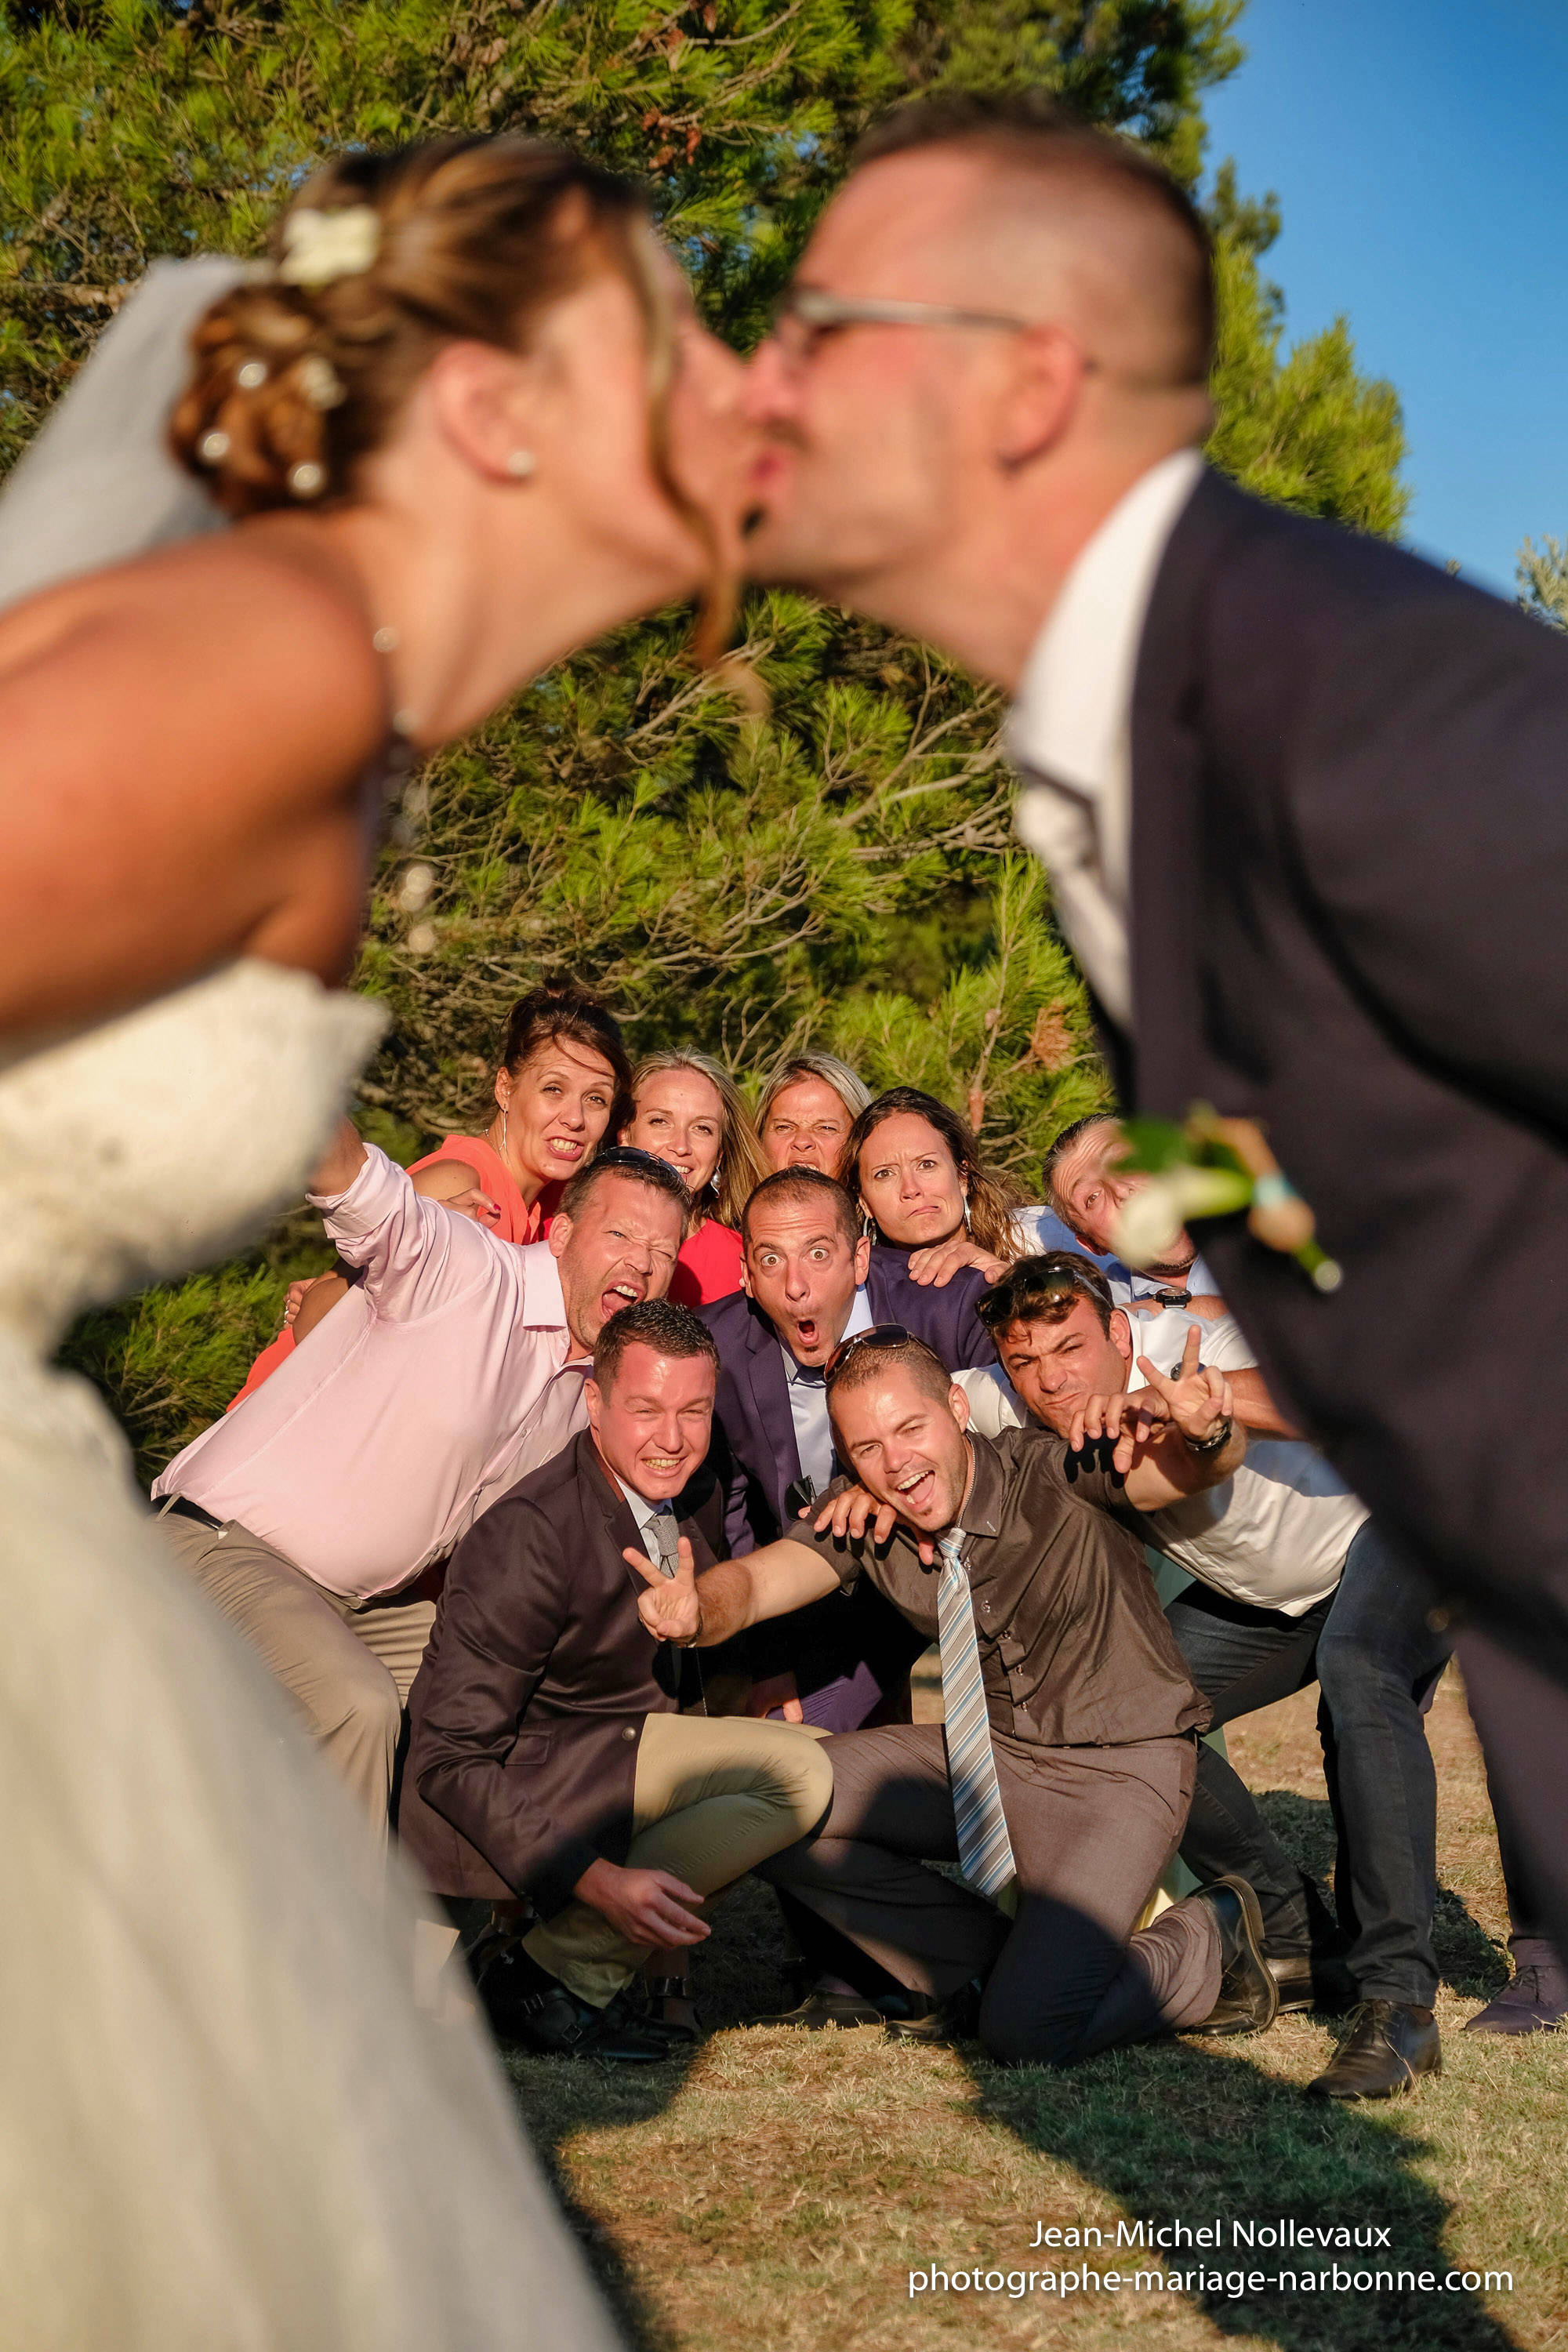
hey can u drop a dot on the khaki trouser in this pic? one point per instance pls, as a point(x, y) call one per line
point(713, 1797)
point(347, 1668)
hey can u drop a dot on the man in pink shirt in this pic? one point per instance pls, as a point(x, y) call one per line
point(318, 1514)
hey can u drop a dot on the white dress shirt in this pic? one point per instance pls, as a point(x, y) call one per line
point(645, 1513)
point(808, 1401)
point(445, 1376)
point(1071, 732)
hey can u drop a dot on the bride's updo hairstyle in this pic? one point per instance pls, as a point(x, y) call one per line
point(303, 369)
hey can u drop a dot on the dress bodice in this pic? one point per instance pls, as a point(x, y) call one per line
point(165, 1137)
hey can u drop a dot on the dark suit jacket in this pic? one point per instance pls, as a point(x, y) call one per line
point(526, 1715)
point(1349, 880)
point(754, 1452)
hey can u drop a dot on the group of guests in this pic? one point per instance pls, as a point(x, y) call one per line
point(596, 1509)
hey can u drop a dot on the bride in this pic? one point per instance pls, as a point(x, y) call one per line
point(464, 421)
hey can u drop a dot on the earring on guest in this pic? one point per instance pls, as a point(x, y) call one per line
point(521, 464)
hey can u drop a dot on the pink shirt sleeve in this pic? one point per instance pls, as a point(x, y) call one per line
point(414, 1256)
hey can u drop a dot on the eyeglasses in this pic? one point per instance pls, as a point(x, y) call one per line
point(807, 313)
point(881, 1335)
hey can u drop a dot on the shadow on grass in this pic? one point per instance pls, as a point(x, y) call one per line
point(741, 1971)
point(1469, 1962)
point(1194, 2132)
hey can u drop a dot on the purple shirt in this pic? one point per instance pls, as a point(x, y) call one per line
point(433, 1387)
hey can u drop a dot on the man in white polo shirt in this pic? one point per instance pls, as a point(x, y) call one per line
point(1293, 1584)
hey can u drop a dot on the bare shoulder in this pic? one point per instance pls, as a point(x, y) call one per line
point(226, 638)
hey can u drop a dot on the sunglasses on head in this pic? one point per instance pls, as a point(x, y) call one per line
point(881, 1335)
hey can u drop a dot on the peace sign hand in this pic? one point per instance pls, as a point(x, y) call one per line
point(669, 1608)
point(1197, 1398)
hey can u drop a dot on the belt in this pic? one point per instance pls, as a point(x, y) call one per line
point(189, 1510)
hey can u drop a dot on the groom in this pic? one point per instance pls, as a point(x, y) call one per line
point(1301, 798)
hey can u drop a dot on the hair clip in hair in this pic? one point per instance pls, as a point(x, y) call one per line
point(213, 448)
point(319, 247)
point(320, 382)
point(252, 375)
point(307, 479)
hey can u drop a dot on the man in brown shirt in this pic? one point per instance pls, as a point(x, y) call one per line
point(1060, 1780)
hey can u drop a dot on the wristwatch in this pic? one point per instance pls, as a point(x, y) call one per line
point(1213, 1443)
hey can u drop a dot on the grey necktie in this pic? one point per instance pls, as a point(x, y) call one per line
point(985, 1849)
point(665, 1542)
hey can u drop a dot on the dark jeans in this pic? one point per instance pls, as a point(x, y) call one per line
point(1376, 1662)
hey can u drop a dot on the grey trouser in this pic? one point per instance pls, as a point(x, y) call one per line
point(348, 1668)
point(713, 1797)
point(1091, 1828)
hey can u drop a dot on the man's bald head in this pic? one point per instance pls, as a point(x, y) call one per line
point(1118, 235)
point(1009, 322)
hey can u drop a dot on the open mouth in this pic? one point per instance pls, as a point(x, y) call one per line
point(916, 1490)
point(618, 1295)
point(808, 1332)
point(662, 1465)
point(564, 1147)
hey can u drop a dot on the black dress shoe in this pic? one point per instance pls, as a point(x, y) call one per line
point(526, 2006)
point(956, 2019)
point(820, 2010)
point(1248, 1998)
point(1389, 2045)
point(1532, 2002)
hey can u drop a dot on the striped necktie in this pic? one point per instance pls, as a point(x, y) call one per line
point(985, 1849)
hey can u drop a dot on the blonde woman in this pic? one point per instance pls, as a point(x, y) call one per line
point(690, 1111)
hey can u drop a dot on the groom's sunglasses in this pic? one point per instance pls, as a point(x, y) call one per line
point(807, 313)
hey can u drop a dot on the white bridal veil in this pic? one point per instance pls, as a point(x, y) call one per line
point(99, 485)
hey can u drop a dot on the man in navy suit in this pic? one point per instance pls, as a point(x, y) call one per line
point(811, 1277)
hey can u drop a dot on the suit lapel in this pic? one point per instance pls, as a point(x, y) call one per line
point(1166, 1068)
point(769, 1402)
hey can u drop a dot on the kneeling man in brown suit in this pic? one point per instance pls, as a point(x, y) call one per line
point(548, 1758)
point(1060, 1780)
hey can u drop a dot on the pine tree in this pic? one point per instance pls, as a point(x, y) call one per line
point(1541, 573)
point(843, 870)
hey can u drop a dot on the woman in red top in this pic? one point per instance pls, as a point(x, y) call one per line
point(564, 1074)
point(689, 1111)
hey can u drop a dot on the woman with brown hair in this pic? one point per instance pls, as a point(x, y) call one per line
point(463, 420)
point(563, 1077)
point(690, 1111)
point(916, 1169)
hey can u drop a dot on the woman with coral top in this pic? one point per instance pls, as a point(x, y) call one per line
point(688, 1111)
point(563, 1076)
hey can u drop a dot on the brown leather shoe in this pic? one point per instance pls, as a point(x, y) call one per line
point(1248, 1998)
point(1390, 2044)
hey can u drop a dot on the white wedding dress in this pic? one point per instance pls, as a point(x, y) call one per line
point(223, 2122)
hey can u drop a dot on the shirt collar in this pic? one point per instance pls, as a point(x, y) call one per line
point(1069, 719)
point(643, 1511)
point(981, 1511)
point(812, 1374)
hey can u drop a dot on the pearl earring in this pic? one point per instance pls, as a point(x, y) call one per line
point(521, 464)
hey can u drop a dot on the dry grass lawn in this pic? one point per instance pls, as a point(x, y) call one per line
point(777, 2190)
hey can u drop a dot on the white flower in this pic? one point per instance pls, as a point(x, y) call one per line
point(320, 246)
point(1152, 1217)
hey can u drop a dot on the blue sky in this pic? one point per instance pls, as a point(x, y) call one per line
point(1416, 147)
